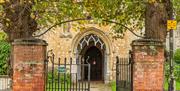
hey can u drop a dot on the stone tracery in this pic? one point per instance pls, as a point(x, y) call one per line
point(91, 38)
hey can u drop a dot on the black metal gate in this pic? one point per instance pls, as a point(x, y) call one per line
point(67, 75)
point(124, 74)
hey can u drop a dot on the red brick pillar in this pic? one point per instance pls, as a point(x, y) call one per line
point(148, 67)
point(28, 56)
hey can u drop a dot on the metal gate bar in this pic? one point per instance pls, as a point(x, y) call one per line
point(62, 76)
point(123, 74)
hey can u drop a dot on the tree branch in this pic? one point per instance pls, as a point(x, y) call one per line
point(88, 18)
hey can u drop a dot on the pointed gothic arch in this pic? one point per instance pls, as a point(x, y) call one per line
point(98, 37)
point(88, 31)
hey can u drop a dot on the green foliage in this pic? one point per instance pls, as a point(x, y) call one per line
point(177, 56)
point(47, 12)
point(176, 71)
point(122, 11)
point(176, 67)
point(113, 86)
point(4, 55)
point(62, 77)
point(167, 71)
point(177, 85)
point(128, 12)
point(176, 4)
point(3, 36)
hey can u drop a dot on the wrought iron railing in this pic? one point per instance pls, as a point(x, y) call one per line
point(63, 75)
point(123, 74)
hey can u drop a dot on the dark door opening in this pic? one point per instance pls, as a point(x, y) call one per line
point(95, 60)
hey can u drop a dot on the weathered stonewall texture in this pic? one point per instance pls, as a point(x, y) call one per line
point(64, 42)
point(148, 65)
point(28, 65)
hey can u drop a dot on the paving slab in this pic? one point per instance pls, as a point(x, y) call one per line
point(99, 86)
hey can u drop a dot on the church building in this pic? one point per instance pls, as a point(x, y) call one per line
point(99, 45)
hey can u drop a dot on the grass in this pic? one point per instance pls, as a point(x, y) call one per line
point(113, 86)
point(177, 85)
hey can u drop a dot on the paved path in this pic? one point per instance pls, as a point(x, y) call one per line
point(100, 86)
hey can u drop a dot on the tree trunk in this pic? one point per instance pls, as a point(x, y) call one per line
point(155, 21)
point(18, 22)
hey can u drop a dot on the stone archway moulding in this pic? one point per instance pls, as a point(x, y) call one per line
point(108, 46)
point(87, 31)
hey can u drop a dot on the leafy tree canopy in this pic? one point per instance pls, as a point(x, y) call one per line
point(176, 4)
point(123, 11)
point(47, 12)
point(3, 36)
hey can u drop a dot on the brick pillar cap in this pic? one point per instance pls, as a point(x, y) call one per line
point(29, 41)
point(147, 42)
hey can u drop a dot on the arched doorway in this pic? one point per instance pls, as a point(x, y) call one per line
point(92, 51)
point(83, 40)
point(94, 57)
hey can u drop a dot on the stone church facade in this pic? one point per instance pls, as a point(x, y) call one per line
point(97, 44)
